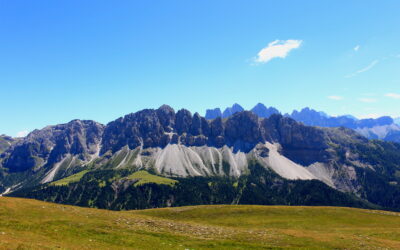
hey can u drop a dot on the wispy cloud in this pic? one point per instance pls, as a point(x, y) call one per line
point(356, 48)
point(335, 97)
point(277, 49)
point(367, 100)
point(370, 66)
point(393, 95)
point(22, 133)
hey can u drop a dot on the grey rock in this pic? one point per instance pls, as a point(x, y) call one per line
point(51, 144)
point(232, 110)
point(262, 111)
point(213, 113)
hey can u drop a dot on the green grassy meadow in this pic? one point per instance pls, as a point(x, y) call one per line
point(70, 179)
point(145, 177)
point(32, 224)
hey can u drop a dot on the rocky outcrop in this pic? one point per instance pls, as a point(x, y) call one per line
point(51, 144)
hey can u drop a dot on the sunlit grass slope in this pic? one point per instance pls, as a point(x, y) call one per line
point(145, 177)
point(70, 179)
point(30, 224)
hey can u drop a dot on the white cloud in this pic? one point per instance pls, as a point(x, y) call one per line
point(335, 97)
point(367, 100)
point(277, 48)
point(356, 48)
point(370, 66)
point(393, 95)
point(22, 133)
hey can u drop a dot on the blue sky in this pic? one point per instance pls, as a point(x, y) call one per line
point(61, 60)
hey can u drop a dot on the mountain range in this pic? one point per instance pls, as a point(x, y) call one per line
point(384, 128)
point(159, 157)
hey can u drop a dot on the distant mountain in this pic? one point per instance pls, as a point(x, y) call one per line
point(349, 116)
point(232, 110)
point(397, 120)
point(262, 111)
point(213, 113)
point(383, 127)
point(384, 132)
point(393, 135)
point(186, 159)
point(313, 118)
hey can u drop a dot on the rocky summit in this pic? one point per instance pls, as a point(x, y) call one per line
point(156, 157)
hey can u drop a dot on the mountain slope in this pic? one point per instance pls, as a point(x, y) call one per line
point(50, 153)
point(33, 224)
point(121, 190)
point(6, 142)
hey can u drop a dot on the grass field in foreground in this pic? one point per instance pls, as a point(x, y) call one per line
point(30, 224)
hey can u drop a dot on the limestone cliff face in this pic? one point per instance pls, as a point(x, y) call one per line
point(243, 131)
point(51, 144)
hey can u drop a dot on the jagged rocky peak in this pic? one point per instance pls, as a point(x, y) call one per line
point(52, 143)
point(199, 125)
point(243, 126)
point(145, 128)
point(213, 113)
point(232, 110)
point(243, 131)
point(306, 112)
point(166, 114)
point(183, 121)
point(314, 118)
point(380, 128)
point(262, 111)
